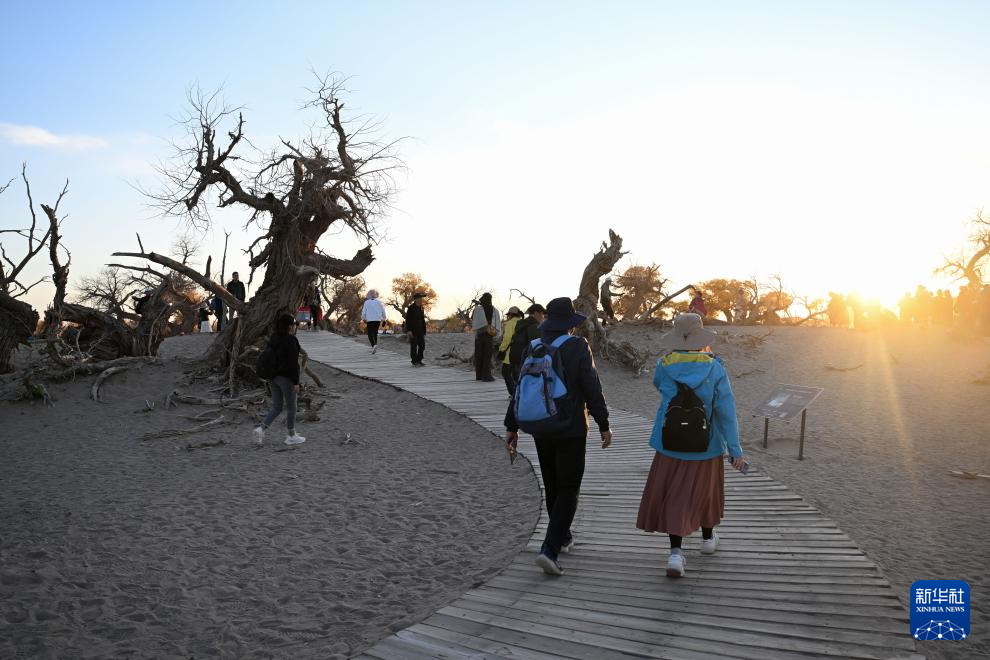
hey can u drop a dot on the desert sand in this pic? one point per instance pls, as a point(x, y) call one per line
point(111, 546)
point(901, 408)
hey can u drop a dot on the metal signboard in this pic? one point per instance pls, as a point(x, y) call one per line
point(787, 401)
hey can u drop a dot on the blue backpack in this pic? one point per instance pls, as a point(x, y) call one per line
point(539, 401)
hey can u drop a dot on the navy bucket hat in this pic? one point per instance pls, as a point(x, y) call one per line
point(561, 316)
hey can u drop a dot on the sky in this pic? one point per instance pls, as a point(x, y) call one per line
point(841, 145)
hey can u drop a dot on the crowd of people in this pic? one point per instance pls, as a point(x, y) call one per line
point(970, 307)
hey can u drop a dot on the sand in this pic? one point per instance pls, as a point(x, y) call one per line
point(880, 441)
point(115, 547)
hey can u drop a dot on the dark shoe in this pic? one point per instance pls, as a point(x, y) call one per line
point(548, 564)
point(488, 380)
point(567, 544)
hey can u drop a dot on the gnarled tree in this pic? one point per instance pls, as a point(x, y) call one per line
point(586, 302)
point(337, 178)
point(18, 320)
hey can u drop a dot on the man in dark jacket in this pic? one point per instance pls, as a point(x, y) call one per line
point(415, 327)
point(236, 288)
point(526, 331)
point(562, 455)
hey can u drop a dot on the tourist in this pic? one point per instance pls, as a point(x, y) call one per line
point(285, 385)
point(204, 319)
point(315, 309)
point(236, 288)
point(373, 314)
point(217, 308)
point(486, 323)
point(524, 332)
point(697, 304)
point(739, 306)
point(512, 317)
point(686, 490)
point(415, 328)
point(561, 456)
point(605, 298)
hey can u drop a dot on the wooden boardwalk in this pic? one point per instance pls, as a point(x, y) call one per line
point(785, 582)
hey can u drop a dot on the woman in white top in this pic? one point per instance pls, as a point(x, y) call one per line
point(373, 314)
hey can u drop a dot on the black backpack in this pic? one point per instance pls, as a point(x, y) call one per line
point(685, 426)
point(267, 365)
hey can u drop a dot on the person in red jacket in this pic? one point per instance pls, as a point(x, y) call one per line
point(697, 305)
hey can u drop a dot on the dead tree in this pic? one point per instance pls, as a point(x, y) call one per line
point(586, 302)
point(337, 178)
point(971, 266)
point(18, 320)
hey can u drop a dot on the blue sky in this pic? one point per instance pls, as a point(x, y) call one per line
point(843, 145)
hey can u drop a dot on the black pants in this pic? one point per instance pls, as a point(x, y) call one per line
point(510, 382)
point(417, 344)
point(482, 355)
point(562, 468)
point(372, 331)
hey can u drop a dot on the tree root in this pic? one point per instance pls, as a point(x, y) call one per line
point(829, 367)
point(168, 433)
point(95, 390)
point(205, 445)
point(455, 355)
point(223, 402)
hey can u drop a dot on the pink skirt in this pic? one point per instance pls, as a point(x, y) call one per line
point(681, 496)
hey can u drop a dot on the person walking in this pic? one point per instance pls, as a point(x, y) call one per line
point(315, 309)
point(415, 327)
point(561, 455)
point(685, 490)
point(285, 385)
point(512, 317)
point(373, 314)
point(525, 332)
point(486, 323)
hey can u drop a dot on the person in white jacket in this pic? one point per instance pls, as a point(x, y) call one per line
point(373, 315)
point(486, 323)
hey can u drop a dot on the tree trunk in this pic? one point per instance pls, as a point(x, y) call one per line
point(17, 322)
point(286, 282)
point(586, 303)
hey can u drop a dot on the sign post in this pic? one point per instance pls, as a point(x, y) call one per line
point(784, 403)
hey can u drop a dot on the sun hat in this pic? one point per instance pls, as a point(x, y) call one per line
point(688, 334)
point(561, 316)
point(418, 294)
point(514, 311)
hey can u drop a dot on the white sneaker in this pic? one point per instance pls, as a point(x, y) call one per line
point(568, 544)
point(294, 439)
point(675, 563)
point(374, 349)
point(708, 545)
point(259, 436)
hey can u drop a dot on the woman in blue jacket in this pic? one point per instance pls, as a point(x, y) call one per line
point(686, 490)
